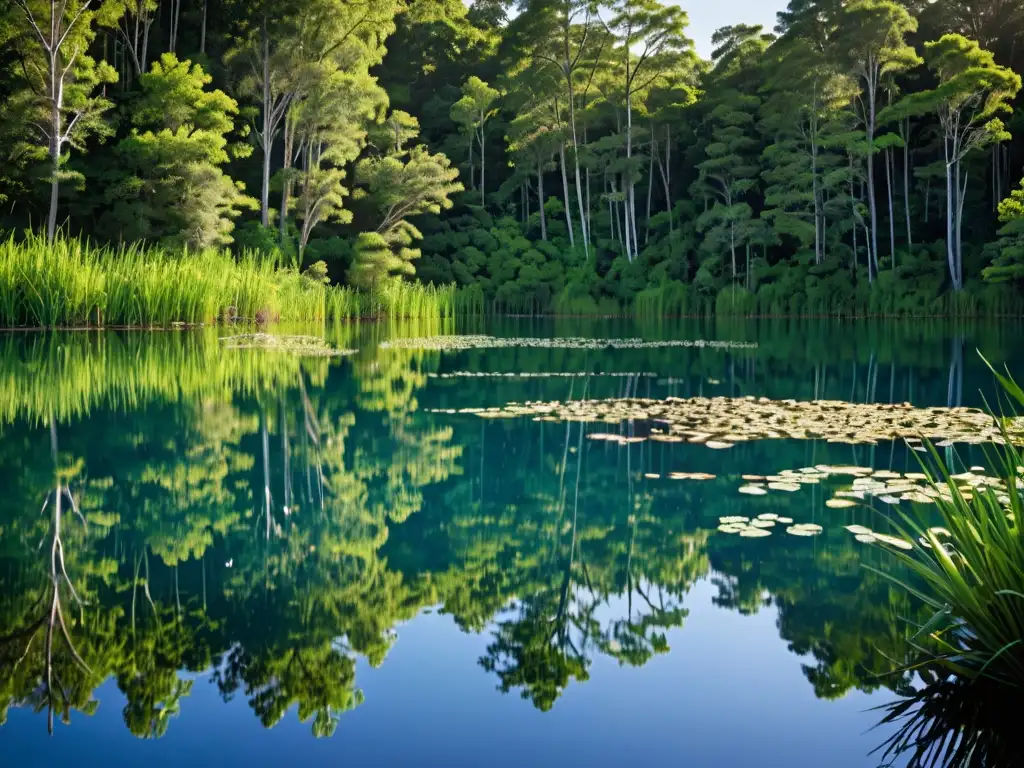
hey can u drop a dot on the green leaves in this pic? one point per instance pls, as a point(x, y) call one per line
point(171, 186)
point(1009, 264)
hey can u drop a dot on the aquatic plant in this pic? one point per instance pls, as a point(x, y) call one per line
point(303, 346)
point(721, 422)
point(71, 283)
point(970, 573)
point(454, 343)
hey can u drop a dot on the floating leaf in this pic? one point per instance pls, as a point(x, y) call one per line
point(857, 529)
point(753, 490)
point(840, 503)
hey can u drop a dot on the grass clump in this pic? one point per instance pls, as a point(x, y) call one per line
point(970, 654)
point(71, 283)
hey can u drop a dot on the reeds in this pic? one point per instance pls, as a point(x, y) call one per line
point(71, 283)
point(973, 579)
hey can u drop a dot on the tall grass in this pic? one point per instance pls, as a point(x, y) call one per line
point(72, 283)
point(974, 579)
point(970, 654)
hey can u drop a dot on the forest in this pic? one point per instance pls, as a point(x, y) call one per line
point(541, 156)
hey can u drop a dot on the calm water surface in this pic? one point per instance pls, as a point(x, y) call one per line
point(271, 559)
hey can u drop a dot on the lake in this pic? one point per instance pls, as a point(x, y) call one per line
point(497, 549)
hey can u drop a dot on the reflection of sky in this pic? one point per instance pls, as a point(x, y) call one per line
point(728, 694)
point(708, 15)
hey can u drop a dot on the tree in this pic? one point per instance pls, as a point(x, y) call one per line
point(269, 63)
point(1008, 266)
point(650, 37)
point(871, 42)
point(332, 123)
point(473, 111)
point(131, 20)
point(173, 188)
point(563, 34)
point(730, 171)
point(972, 92)
point(58, 108)
point(398, 188)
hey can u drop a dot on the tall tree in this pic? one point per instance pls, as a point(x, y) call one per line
point(172, 187)
point(972, 92)
point(1008, 266)
point(650, 36)
point(473, 110)
point(871, 43)
point(399, 187)
point(58, 108)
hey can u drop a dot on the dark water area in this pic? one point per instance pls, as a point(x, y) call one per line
point(216, 556)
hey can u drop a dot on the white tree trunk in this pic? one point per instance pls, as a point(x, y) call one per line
point(268, 140)
point(565, 194)
point(892, 211)
point(872, 207)
point(540, 198)
point(906, 187)
point(950, 246)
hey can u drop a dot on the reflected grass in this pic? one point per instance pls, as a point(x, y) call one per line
point(67, 376)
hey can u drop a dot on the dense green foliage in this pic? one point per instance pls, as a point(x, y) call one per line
point(553, 155)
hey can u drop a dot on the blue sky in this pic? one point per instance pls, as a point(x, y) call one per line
point(708, 15)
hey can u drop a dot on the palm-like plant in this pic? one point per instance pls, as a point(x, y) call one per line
point(970, 654)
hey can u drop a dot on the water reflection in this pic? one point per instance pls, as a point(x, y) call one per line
point(273, 519)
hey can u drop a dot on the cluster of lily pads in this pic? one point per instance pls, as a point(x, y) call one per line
point(456, 343)
point(537, 375)
point(919, 488)
point(305, 346)
point(763, 524)
point(721, 422)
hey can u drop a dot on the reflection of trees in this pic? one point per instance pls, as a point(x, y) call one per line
point(276, 526)
point(45, 669)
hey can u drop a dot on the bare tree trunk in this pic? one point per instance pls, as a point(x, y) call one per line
point(540, 199)
point(565, 194)
point(175, 14)
point(56, 128)
point(202, 30)
point(892, 215)
point(650, 188)
point(584, 228)
point(872, 207)
point(950, 246)
point(483, 199)
point(962, 195)
point(286, 187)
point(906, 186)
point(817, 202)
point(627, 234)
point(268, 141)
